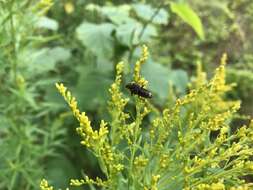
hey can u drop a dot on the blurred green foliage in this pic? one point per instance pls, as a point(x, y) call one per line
point(78, 42)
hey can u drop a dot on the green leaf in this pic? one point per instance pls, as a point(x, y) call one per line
point(129, 33)
point(159, 77)
point(56, 171)
point(180, 79)
point(97, 38)
point(44, 60)
point(104, 65)
point(92, 88)
point(48, 23)
point(223, 6)
point(188, 15)
point(118, 15)
point(146, 12)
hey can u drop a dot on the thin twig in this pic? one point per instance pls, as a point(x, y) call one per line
point(150, 20)
point(132, 46)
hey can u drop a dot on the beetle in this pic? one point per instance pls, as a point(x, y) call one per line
point(138, 90)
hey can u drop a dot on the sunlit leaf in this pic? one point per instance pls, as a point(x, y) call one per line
point(185, 12)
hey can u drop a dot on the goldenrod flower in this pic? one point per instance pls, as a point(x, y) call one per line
point(45, 186)
point(69, 7)
point(178, 146)
point(137, 69)
point(43, 6)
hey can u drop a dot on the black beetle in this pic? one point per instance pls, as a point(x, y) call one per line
point(138, 90)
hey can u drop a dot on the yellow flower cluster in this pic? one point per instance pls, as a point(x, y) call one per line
point(164, 160)
point(201, 76)
point(189, 144)
point(213, 186)
point(242, 187)
point(140, 161)
point(117, 103)
point(137, 69)
point(116, 106)
point(45, 186)
point(219, 186)
point(43, 6)
point(154, 182)
point(87, 180)
point(216, 122)
point(205, 110)
point(111, 159)
point(95, 140)
point(91, 138)
point(69, 7)
point(218, 82)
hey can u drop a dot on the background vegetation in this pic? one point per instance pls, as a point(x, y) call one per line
point(79, 43)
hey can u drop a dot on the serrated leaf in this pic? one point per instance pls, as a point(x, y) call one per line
point(185, 12)
point(146, 12)
point(97, 38)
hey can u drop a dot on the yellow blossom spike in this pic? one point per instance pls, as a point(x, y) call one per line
point(44, 185)
point(87, 180)
point(69, 7)
point(137, 76)
point(84, 130)
point(43, 6)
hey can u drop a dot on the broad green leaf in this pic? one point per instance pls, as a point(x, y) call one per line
point(146, 12)
point(118, 15)
point(185, 12)
point(56, 171)
point(97, 38)
point(129, 33)
point(180, 79)
point(159, 77)
point(48, 23)
point(92, 87)
point(44, 60)
point(103, 65)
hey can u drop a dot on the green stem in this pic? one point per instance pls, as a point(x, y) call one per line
point(216, 176)
point(13, 41)
point(132, 46)
point(135, 140)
